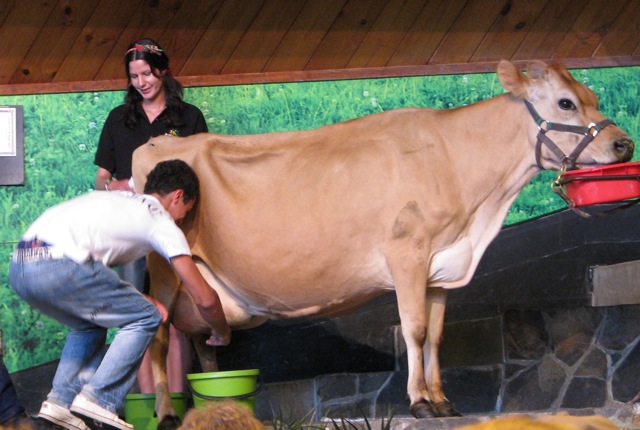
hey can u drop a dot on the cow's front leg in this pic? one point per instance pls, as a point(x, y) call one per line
point(407, 256)
point(436, 303)
point(413, 322)
point(159, 348)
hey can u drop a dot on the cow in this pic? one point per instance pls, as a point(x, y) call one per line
point(316, 222)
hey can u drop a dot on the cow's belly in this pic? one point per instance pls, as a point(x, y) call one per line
point(453, 266)
point(237, 316)
point(248, 301)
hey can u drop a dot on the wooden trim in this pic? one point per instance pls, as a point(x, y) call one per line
point(319, 75)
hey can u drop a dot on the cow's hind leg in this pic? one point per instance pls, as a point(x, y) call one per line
point(206, 357)
point(164, 288)
point(159, 348)
point(436, 302)
point(206, 353)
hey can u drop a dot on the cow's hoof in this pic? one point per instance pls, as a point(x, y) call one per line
point(422, 409)
point(445, 409)
point(170, 422)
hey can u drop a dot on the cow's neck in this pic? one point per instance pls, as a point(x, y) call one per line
point(500, 158)
point(497, 169)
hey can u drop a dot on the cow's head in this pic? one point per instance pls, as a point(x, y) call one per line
point(568, 130)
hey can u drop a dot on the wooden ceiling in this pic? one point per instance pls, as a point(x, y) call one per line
point(78, 45)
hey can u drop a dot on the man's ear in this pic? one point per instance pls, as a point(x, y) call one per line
point(178, 196)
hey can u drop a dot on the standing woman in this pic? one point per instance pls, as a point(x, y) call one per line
point(153, 106)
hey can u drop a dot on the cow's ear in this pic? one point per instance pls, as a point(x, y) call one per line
point(537, 70)
point(512, 79)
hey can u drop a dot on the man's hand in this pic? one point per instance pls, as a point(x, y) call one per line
point(219, 340)
point(206, 299)
point(160, 307)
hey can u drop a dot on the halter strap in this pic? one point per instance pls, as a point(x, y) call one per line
point(566, 161)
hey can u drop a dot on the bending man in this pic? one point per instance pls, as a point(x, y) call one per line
point(62, 267)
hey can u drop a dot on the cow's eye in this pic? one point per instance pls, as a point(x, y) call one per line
point(566, 104)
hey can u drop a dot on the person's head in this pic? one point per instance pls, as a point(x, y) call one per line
point(146, 65)
point(223, 415)
point(149, 79)
point(177, 186)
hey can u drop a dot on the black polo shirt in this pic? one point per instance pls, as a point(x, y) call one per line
point(118, 141)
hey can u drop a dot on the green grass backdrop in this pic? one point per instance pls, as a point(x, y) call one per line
point(61, 134)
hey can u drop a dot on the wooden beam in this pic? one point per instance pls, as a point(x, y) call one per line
point(320, 75)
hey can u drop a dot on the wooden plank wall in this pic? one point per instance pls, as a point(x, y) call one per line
point(67, 45)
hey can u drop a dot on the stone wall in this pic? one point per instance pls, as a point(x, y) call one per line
point(522, 361)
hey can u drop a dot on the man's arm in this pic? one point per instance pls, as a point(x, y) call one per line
point(205, 297)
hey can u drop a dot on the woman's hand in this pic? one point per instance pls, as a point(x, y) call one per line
point(119, 185)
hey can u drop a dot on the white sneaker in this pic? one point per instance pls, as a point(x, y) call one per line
point(97, 417)
point(61, 416)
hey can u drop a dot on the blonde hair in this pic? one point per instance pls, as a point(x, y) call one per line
point(545, 422)
point(21, 425)
point(221, 416)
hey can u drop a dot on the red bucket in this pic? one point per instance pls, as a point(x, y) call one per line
point(602, 184)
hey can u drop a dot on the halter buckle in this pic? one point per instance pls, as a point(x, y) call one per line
point(547, 125)
point(593, 129)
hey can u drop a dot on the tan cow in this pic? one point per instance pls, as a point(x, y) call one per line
point(309, 223)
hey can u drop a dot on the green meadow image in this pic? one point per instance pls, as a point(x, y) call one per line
point(61, 133)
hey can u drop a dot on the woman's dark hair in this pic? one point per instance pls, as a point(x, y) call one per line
point(171, 175)
point(150, 51)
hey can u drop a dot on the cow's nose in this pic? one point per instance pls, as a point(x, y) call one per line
point(625, 147)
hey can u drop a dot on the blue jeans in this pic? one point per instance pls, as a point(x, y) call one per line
point(134, 273)
point(89, 298)
point(9, 404)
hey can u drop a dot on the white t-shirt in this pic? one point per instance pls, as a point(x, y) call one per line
point(111, 227)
